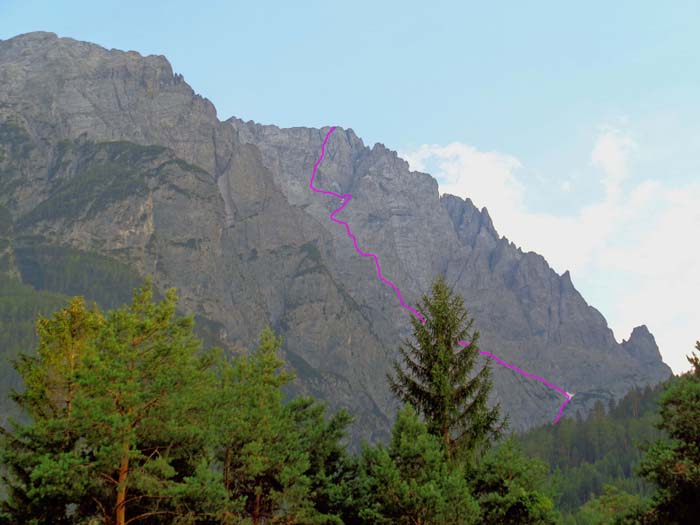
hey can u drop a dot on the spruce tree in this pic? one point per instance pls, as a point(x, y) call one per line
point(438, 377)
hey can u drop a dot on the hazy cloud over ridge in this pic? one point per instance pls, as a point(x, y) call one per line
point(628, 250)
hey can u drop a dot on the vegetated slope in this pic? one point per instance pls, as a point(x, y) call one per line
point(109, 154)
point(19, 305)
point(586, 454)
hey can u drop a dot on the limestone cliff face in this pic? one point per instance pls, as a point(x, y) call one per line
point(110, 152)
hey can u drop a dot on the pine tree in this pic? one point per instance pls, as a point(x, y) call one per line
point(330, 465)
point(140, 404)
point(270, 474)
point(115, 402)
point(51, 377)
point(437, 375)
point(30, 452)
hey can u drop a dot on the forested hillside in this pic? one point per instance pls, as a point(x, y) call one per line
point(585, 455)
point(637, 464)
point(19, 307)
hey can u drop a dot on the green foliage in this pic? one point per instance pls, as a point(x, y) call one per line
point(51, 376)
point(330, 469)
point(279, 463)
point(114, 403)
point(15, 141)
point(19, 307)
point(585, 455)
point(436, 375)
point(69, 271)
point(264, 468)
point(129, 421)
point(38, 455)
point(5, 221)
point(511, 489)
point(51, 274)
point(141, 397)
point(673, 466)
point(108, 172)
point(608, 508)
point(410, 481)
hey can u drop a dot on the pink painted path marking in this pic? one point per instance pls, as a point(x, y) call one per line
point(345, 199)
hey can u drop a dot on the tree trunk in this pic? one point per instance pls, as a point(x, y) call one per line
point(121, 488)
point(256, 511)
point(227, 470)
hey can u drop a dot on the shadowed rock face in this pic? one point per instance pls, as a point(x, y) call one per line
point(110, 152)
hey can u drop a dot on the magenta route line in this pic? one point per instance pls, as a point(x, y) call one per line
point(345, 199)
point(522, 372)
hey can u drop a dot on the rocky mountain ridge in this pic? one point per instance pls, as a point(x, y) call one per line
point(111, 154)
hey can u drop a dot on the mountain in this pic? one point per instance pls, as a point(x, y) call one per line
point(112, 168)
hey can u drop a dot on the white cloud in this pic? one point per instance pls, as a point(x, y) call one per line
point(642, 230)
point(466, 170)
point(610, 153)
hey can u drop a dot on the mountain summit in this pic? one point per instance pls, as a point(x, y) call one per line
point(110, 161)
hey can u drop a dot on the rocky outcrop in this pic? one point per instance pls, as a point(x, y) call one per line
point(642, 346)
point(110, 152)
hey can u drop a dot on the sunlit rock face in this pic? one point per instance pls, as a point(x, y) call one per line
point(110, 153)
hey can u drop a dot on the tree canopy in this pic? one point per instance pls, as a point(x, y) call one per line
point(673, 466)
point(441, 379)
point(126, 418)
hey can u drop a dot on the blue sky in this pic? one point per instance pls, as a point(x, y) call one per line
point(576, 125)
